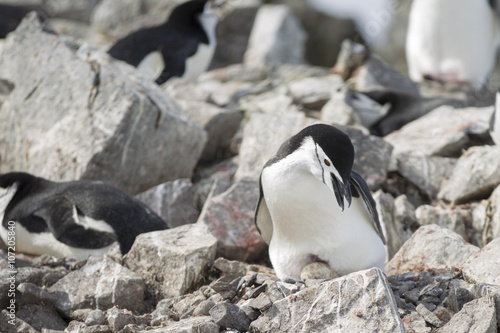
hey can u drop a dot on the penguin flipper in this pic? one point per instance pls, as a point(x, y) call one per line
point(361, 187)
point(60, 215)
point(263, 219)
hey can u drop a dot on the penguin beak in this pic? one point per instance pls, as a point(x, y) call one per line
point(341, 191)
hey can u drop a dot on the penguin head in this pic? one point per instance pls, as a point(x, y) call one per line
point(10, 184)
point(328, 154)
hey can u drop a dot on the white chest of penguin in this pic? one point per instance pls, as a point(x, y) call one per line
point(307, 221)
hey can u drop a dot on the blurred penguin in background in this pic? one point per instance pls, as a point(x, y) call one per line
point(452, 40)
point(183, 46)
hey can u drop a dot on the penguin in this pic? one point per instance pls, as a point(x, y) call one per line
point(314, 208)
point(452, 40)
point(183, 46)
point(70, 219)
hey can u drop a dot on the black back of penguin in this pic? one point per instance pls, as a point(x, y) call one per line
point(177, 39)
point(39, 203)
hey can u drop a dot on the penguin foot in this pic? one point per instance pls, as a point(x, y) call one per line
point(318, 270)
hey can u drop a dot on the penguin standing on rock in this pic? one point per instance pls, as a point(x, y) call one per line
point(70, 219)
point(452, 40)
point(183, 46)
point(314, 208)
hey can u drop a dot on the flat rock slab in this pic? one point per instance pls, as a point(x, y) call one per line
point(203, 324)
point(484, 266)
point(173, 261)
point(358, 302)
point(442, 132)
point(100, 284)
point(475, 175)
point(431, 247)
point(73, 114)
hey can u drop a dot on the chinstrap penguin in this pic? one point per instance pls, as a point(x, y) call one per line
point(183, 46)
point(70, 219)
point(314, 208)
point(452, 40)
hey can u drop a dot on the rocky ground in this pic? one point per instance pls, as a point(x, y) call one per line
point(194, 151)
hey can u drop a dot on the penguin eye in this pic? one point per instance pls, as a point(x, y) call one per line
point(327, 162)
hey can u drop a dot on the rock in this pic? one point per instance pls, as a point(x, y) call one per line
point(393, 231)
point(230, 218)
point(453, 218)
point(173, 201)
point(220, 125)
point(426, 172)
point(476, 316)
point(495, 122)
point(41, 316)
point(196, 324)
point(431, 247)
point(339, 109)
point(442, 132)
point(318, 270)
point(368, 110)
point(9, 280)
point(491, 229)
point(230, 316)
point(414, 322)
point(118, 319)
point(233, 32)
point(350, 303)
point(100, 284)
point(262, 136)
point(313, 93)
point(484, 266)
point(372, 155)
point(79, 10)
point(429, 316)
point(203, 308)
point(376, 78)
point(95, 317)
point(117, 20)
point(471, 180)
point(276, 38)
point(76, 115)
point(9, 323)
point(172, 262)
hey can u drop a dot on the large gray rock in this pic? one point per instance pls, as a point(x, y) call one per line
point(339, 108)
point(220, 125)
point(172, 262)
point(9, 323)
point(426, 172)
point(233, 31)
point(484, 266)
point(276, 38)
point(100, 284)
point(476, 316)
point(442, 132)
point(230, 218)
point(173, 201)
point(75, 115)
point(358, 302)
point(453, 218)
point(262, 136)
point(472, 180)
point(431, 247)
